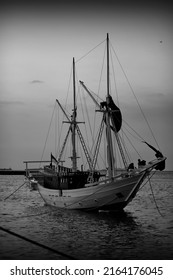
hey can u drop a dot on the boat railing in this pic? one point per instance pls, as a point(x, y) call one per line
point(49, 169)
point(105, 181)
point(29, 170)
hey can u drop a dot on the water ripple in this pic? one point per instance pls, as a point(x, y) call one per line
point(137, 233)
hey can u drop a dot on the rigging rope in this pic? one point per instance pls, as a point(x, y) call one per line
point(116, 90)
point(98, 92)
point(84, 110)
point(68, 89)
point(63, 116)
point(135, 96)
point(132, 145)
point(121, 136)
point(37, 243)
point(140, 137)
point(89, 51)
point(47, 134)
point(85, 105)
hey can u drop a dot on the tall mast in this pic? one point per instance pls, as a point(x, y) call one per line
point(107, 41)
point(110, 156)
point(74, 157)
point(74, 89)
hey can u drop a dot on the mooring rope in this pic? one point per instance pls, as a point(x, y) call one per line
point(147, 180)
point(37, 244)
point(155, 199)
point(30, 240)
point(15, 191)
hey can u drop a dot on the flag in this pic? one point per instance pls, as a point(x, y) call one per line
point(53, 159)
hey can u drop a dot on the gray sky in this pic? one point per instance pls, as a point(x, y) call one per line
point(36, 50)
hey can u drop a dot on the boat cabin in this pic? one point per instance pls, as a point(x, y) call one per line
point(65, 178)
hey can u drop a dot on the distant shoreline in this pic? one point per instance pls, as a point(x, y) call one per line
point(12, 172)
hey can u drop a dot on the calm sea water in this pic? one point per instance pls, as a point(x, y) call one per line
point(140, 232)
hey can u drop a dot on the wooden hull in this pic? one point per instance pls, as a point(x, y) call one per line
point(107, 195)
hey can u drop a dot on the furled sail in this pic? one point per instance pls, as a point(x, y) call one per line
point(116, 116)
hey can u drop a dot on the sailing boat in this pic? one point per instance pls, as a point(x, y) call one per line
point(71, 188)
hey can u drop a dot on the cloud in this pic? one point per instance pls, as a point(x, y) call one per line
point(6, 103)
point(36, 82)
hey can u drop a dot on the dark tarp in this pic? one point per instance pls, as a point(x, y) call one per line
point(116, 117)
